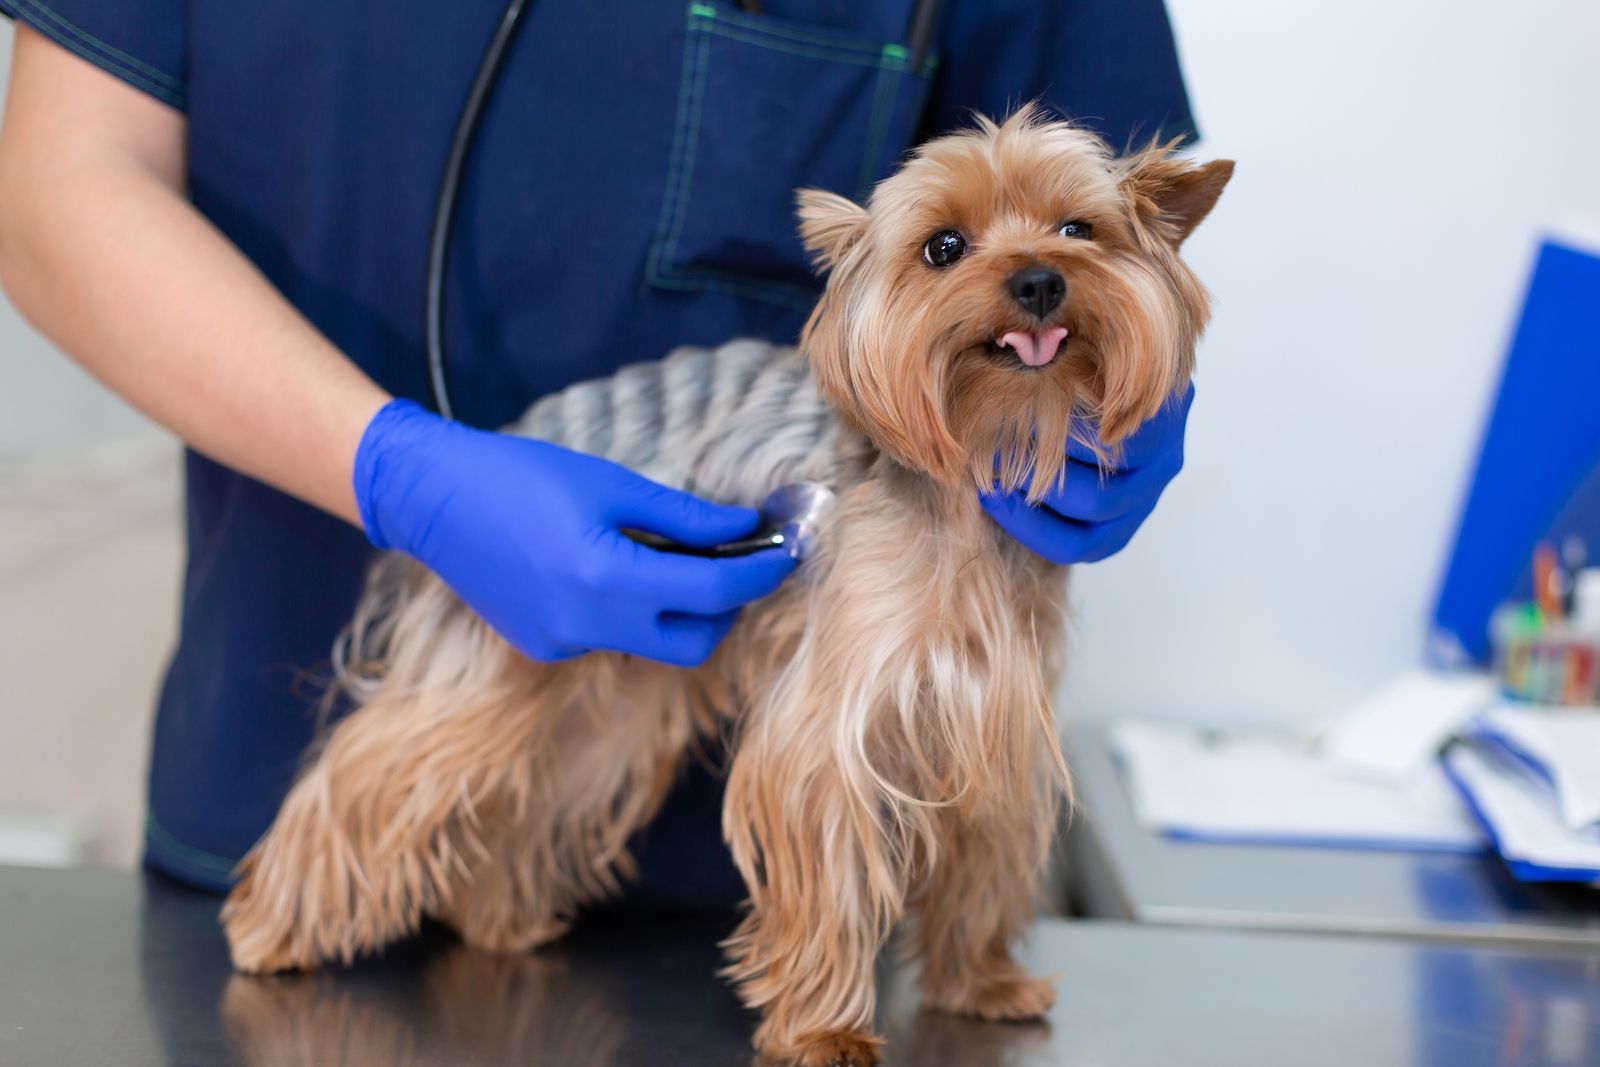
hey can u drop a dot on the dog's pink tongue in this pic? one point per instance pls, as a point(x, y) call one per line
point(1034, 349)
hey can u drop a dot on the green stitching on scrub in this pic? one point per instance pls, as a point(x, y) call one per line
point(81, 44)
point(158, 76)
point(162, 838)
point(669, 205)
point(854, 59)
point(682, 151)
point(795, 33)
point(696, 109)
point(110, 66)
point(877, 126)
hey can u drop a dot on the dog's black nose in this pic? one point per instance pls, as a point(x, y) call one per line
point(1038, 289)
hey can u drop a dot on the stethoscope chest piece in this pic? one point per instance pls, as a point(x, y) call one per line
point(799, 511)
point(792, 516)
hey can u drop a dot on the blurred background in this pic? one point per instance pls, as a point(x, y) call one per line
point(1399, 163)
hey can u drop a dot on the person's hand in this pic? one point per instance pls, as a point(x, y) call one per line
point(1089, 517)
point(529, 535)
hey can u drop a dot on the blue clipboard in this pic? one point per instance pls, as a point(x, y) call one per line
point(1538, 470)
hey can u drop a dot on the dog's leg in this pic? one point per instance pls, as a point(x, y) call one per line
point(916, 696)
point(379, 831)
point(825, 891)
point(499, 803)
point(817, 814)
point(974, 905)
point(506, 901)
point(559, 839)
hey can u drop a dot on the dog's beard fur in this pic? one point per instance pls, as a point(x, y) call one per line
point(906, 351)
point(893, 749)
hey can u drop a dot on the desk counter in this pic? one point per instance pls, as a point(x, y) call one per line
point(107, 968)
point(1120, 870)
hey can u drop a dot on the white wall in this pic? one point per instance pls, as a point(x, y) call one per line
point(1397, 161)
point(46, 403)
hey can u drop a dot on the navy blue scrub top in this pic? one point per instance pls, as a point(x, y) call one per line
point(630, 190)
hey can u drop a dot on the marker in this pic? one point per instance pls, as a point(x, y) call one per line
point(1547, 582)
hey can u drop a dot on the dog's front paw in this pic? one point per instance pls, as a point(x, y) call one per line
point(997, 998)
point(845, 1048)
point(262, 938)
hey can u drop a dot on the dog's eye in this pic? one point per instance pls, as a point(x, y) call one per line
point(1077, 228)
point(944, 248)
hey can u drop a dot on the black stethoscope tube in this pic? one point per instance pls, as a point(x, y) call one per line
point(445, 207)
point(919, 37)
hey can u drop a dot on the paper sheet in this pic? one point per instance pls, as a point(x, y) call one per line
point(1397, 731)
point(1520, 811)
point(1186, 782)
point(1564, 744)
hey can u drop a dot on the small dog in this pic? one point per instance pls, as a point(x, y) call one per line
point(894, 755)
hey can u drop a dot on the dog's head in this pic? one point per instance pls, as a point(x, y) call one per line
point(1009, 288)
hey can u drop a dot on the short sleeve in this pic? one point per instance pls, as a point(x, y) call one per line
point(1111, 65)
point(143, 42)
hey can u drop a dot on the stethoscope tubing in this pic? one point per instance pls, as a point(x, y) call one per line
point(444, 209)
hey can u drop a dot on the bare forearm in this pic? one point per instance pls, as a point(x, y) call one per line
point(131, 282)
point(102, 252)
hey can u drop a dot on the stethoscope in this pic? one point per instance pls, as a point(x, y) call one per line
point(444, 209)
point(787, 501)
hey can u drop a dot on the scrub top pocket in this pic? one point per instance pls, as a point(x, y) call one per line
point(767, 106)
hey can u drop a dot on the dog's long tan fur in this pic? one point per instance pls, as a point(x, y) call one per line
point(894, 755)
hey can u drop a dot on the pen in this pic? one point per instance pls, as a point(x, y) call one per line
point(1547, 582)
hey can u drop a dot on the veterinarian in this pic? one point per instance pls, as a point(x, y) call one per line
point(223, 211)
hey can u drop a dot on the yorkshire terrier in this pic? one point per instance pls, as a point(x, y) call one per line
point(1009, 289)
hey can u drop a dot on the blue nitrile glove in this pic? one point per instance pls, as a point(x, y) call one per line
point(528, 534)
point(1090, 517)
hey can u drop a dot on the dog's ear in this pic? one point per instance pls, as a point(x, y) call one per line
point(1175, 191)
point(829, 225)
